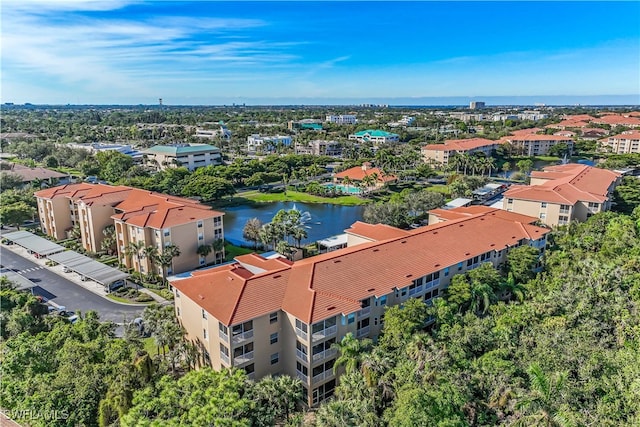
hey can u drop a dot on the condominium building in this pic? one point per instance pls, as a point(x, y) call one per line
point(623, 143)
point(564, 193)
point(476, 105)
point(191, 156)
point(618, 120)
point(375, 136)
point(274, 316)
point(440, 153)
point(266, 144)
point(142, 217)
point(342, 119)
point(319, 147)
point(529, 144)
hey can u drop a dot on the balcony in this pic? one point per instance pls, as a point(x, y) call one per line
point(224, 358)
point(302, 334)
point(242, 337)
point(324, 333)
point(302, 356)
point(324, 354)
point(364, 311)
point(363, 332)
point(243, 358)
point(302, 377)
point(323, 376)
point(224, 337)
point(415, 290)
point(436, 282)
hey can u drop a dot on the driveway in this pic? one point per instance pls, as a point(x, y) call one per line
point(64, 292)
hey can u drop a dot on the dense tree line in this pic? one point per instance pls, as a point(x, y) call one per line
point(558, 349)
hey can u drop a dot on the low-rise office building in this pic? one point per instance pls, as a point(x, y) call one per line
point(266, 144)
point(375, 136)
point(274, 316)
point(147, 219)
point(191, 156)
point(560, 194)
point(342, 119)
point(319, 147)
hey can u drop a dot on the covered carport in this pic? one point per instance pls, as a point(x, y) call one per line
point(21, 282)
point(37, 245)
point(89, 268)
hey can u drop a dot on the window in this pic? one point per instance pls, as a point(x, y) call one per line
point(204, 314)
point(167, 232)
point(200, 236)
point(204, 334)
point(543, 216)
point(301, 326)
point(199, 224)
point(273, 338)
point(250, 369)
point(383, 300)
point(177, 293)
point(323, 346)
point(223, 329)
point(509, 201)
point(242, 328)
point(273, 317)
point(301, 350)
point(543, 204)
point(178, 311)
point(224, 350)
point(323, 392)
point(459, 266)
point(324, 324)
point(446, 272)
point(302, 369)
point(351, 318)
point(275, 358)
point(243, 350)
point(563, 219)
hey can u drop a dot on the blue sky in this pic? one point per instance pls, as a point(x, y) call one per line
point(123, 52)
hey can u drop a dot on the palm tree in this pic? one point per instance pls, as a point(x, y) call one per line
point(251, 231)
point(165, 258)
point(542, 406)
point(134, 249)
point(298, 234)
point(109, 241)
point(351, 350)
point(204, 251)
point(346, 181)
point(218, 247)
point(490, 165)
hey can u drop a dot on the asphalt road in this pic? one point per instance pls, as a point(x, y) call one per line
point(64, 292)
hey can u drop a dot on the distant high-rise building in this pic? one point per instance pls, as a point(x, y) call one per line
point(476, 105)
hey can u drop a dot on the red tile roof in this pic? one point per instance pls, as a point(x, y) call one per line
point(461, 144)
point(334, 283)
point(634, 134)
point(357, 173)
point(568, 184)
point(536, 137)
point(615, 119)
point(375, 232)
point(137, 207)
point(31, 174)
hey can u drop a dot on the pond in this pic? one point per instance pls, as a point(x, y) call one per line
point(326, 219)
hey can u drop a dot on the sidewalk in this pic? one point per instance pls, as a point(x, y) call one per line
point(89, 285)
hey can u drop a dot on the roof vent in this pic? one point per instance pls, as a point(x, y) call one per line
point(435, 232)
point(437, 265)
point(461, 225)
point(371, 289)
point(333, 307)
point(408, 275)
point(200, 296)
point(277, 276)
point(336, 261)
point(467, 253)
point(492, 245)
point(403, 241)
point(376, 250)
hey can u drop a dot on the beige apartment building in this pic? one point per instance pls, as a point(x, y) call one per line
point(273, 316)
point(560, 194)
point(148, 219)
point(441, 153)
point(531, 144)
point(192, 156)
point(623, 143)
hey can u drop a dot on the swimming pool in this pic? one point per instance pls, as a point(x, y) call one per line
point(350, 189)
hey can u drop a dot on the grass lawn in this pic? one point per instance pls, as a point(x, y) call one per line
point(120, 299)
point(297, 196)
point(439, 188)
point(150, 346)
point(232, 251)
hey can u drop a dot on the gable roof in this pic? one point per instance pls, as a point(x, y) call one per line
point(334, 283)
point(461, 144)
point(357, 173)
point(567, 184)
